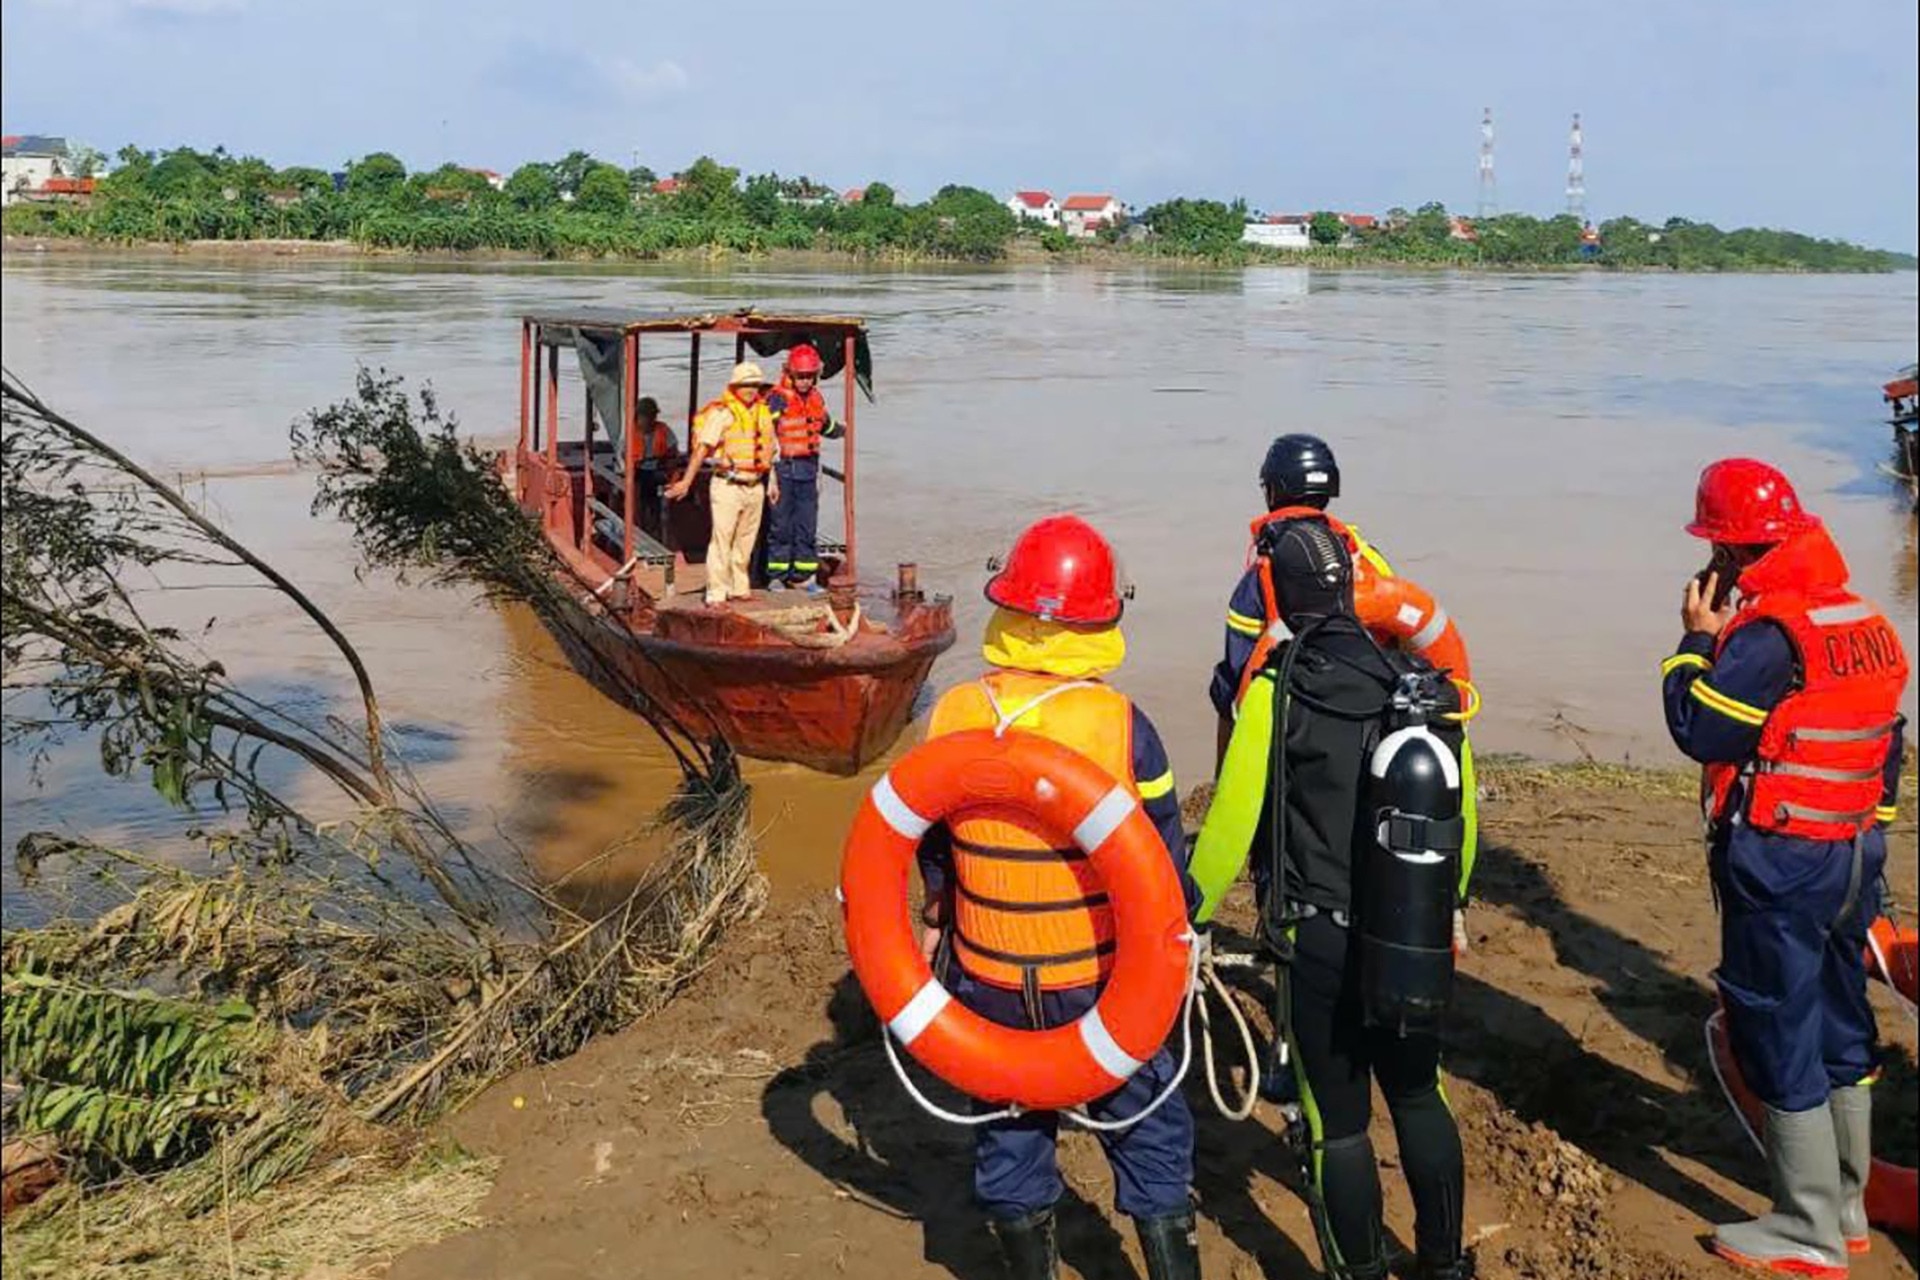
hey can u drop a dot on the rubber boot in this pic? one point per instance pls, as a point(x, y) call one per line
point(1801, 1234)
point(1852, 1110)
point(1171, 1247)
point(1029, 1246)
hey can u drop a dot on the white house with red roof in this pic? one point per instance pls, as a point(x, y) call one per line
point(27, 162)
point(1035, 206)
point(1279, 231)
point(1083, 216)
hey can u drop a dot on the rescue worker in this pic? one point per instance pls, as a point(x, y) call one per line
point(1021, 926)
point(1299, 477)
point(1786, 686)
point(801, 422)
point(1308, 823)
point(657, 449)
point(737, 432)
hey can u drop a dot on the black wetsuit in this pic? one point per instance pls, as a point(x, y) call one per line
point(1339, 681)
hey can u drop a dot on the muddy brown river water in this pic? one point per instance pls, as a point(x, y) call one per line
point(1524, 445)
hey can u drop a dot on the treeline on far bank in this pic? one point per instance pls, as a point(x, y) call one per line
point(582, 207)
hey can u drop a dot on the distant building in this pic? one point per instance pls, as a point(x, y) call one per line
point(808, 196)
point(853, 195)
point(1082, 217)
point(1459, 228)
point(494, 180)
point(1035, 206)
point(27, 161)
point(667, 187)
point(56, 191)
point(1279, 231)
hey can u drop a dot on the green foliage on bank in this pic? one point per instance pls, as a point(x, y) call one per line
point(579, 206)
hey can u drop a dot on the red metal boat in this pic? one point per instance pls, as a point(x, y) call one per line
point(828, 681)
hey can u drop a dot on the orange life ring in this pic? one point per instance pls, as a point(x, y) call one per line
point(1893, 956)
point(1893, 1191)
point(1072, 798)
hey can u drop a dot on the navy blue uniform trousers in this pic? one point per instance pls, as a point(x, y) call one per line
point(1794, 916)
point(1015, 1167)
point(792, 542)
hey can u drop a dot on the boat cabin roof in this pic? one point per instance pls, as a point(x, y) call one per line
point(608, 320)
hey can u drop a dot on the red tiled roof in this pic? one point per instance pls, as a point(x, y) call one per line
point(1086, 204)
point(67, 186)
point(11, 140)
point(1032, 199)
point(666, 186)
point(1287, 219)
point(854, 195)
point(1359, 221)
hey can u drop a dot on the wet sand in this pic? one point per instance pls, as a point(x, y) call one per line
point(754, 1128)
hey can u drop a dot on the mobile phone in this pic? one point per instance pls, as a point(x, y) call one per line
point(1721, 591)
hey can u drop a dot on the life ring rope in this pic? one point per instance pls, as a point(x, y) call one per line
point(1202, 975)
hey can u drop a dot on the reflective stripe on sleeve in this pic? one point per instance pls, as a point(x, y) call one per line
point(1732, 708)
point(1679, 660)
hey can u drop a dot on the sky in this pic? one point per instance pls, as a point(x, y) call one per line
point(1739, 112)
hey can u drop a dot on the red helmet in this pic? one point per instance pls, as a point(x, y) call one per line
point(1746, 502)
point(803, 359)
point(1061, 570)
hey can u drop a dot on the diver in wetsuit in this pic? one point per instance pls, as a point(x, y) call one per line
point(1328, 821)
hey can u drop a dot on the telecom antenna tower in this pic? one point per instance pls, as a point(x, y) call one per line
point(1576, 176)
point(1489, 193)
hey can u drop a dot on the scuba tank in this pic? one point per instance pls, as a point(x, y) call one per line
point(1405, 889)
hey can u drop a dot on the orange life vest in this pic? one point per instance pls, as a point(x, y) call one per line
point(1818, 771)
point(1028, 910)
point(802, 421)
point(1397, 610)
point(656, 442)
point(747, 436)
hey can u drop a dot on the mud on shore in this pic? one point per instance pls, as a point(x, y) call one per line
point(755, 1129)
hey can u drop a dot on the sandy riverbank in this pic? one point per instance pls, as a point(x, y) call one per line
point(753, 1128)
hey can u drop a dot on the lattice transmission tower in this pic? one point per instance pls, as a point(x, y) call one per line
point(1489, 191)
point(1576, 175)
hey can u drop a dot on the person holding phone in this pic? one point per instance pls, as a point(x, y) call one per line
point(1787, 688)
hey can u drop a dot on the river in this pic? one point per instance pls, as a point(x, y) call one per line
point(1525, 445)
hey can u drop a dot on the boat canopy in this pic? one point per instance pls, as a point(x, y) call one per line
point(598, 333)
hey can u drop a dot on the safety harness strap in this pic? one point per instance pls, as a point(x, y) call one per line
point(1809, 734)
point(1806, 814)
point(1006, 853)
point(1014, 958)
point(1413, 831)
point(1030, 908)
point(1788, 769)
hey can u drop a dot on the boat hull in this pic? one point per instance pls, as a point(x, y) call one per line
point(834, 710)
